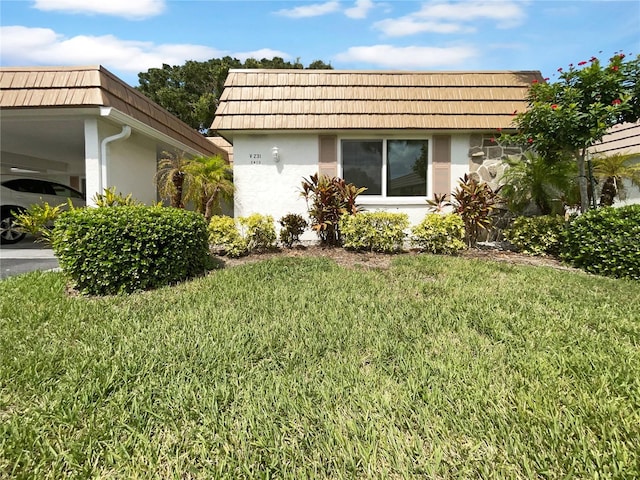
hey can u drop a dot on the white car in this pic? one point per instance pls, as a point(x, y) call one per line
point(18, 193)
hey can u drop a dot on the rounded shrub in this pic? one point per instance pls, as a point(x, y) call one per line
point(537, 235)
point(225, 238)
point(438, 233)
point(374, 231)
point(292, 226)
point(122, 249)
point(605, 241)
point(259, 231)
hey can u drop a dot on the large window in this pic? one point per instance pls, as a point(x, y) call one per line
point(392, 168)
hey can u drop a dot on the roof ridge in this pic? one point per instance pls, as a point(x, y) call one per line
point(382, 72)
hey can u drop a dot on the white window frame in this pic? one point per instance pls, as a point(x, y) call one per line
point(394, 200)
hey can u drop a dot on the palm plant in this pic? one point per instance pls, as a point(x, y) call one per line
point(612, 170)
point(533, 180)
point(211, 180)
point(173, 177)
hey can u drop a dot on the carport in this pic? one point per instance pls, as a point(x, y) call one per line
point(85, 127)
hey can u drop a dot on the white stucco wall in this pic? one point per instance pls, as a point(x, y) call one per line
point(272, 188)
point(131, 165)
point(268, 187)
point(131, 162)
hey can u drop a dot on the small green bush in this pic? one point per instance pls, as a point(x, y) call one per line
point(38, 220)
point(123, 249)
point(259, 231)
point(225, 238)
point(293, 225)
point(605, 241)
point(112, 198)
point(537, 235)
point(374, 231)
point(439, 233)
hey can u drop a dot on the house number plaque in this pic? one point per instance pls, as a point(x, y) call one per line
point(255, 158)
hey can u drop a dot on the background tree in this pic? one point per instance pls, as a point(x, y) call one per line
point(192, 91)
point(212, 181)
point(566, 117)
point(612, 170)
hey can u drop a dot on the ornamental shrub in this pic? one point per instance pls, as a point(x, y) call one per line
point(225, 238)
point(258, 231)
point(439, 233)
point(293, 225)
point(605, 241)
point(38, 220)
point(374, 231)
point(328, 199)
point(122, 249)
point(537, 235)
point(112, 198)
point(474, 201)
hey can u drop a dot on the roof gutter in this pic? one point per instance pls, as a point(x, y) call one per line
point(123, 135)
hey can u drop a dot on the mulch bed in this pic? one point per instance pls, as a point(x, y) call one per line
point(352, 259)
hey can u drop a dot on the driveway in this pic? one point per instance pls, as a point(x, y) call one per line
point(25, 256)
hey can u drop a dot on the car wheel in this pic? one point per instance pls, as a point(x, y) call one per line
point(9, 232)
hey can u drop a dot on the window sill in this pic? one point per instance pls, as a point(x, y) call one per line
point(386, 201)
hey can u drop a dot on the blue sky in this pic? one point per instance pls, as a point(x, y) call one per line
point(130, 36)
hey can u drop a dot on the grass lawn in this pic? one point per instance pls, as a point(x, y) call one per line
point(438, 367)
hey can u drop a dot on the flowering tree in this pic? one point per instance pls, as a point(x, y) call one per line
point(564, 118)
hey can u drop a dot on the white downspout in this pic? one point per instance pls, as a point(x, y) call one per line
point(124, 134)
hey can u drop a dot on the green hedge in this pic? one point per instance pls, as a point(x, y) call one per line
point(605, 241)
point(122, 249)
point(439, 233)
point(374, 231)
point(537, 235)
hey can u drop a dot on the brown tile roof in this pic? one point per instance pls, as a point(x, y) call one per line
point(334, 99)
point(224, 145)
point(37, 87)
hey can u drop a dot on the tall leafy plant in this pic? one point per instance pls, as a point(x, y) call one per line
point(328, 198)
point(612, 170)
point(211, 181)
point(567, 116)
point(532, 180)
point(173, 177)
point(474, 201)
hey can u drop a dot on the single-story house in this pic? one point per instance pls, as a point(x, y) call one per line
point(403, 135)
point(85, 127)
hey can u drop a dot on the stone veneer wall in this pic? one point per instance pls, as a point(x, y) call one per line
point(485, 158)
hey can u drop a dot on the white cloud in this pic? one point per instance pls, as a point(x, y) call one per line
point(132, 9)
point(450, 17)
point(360, 9)
point(260, 54)
point(412, 57)
point(314, 10)
point(410, 26)
point(43, 46)
point(508, 13)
